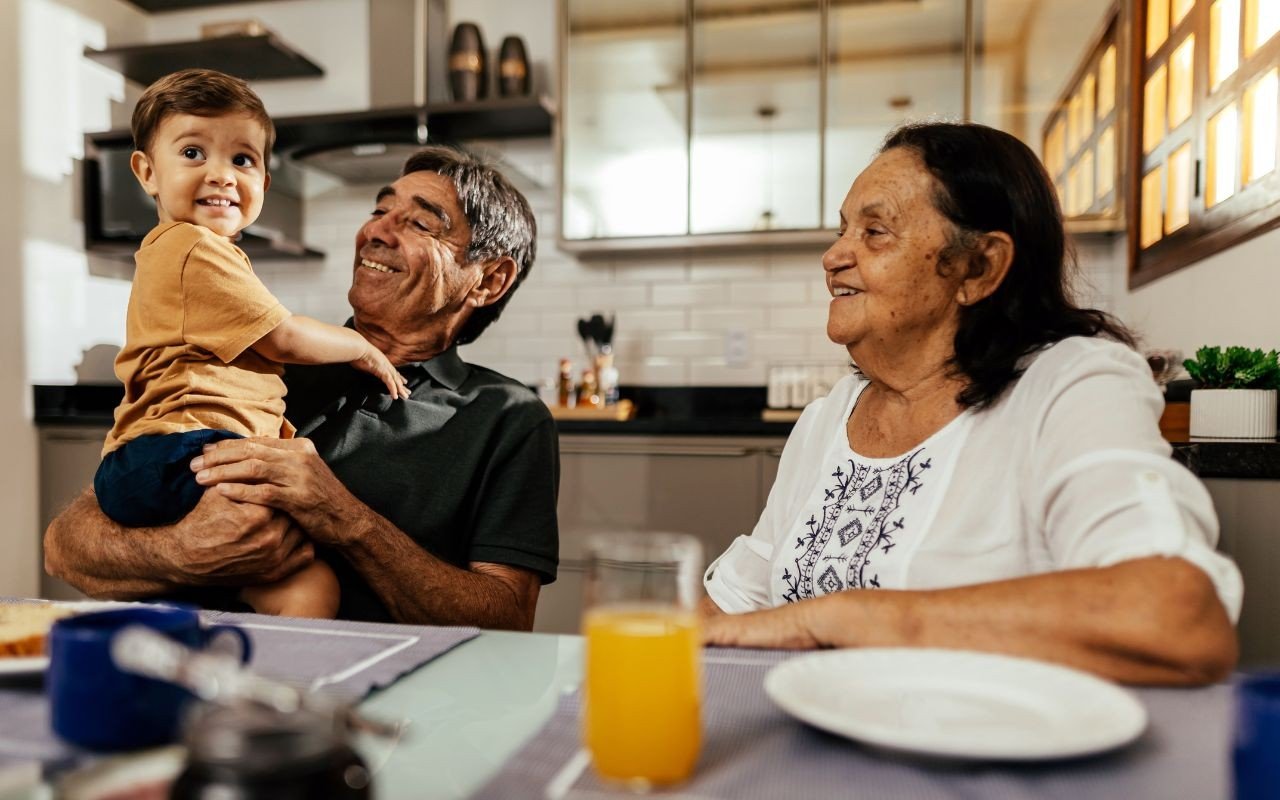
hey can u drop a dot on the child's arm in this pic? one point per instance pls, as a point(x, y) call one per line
point(302, 340)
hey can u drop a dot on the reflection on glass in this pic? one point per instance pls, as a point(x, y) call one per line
point(1106, 163)
point(1157, 24)
point(1224, 40)
point(625, 152)
point(1262, 20)
point(755, 149)
point(1107, 82)
point(1152, 213)
point(1221, 149)
point(1153, 110)
point(1178, 213)
point(1088, 92)
point(1074, 109)
point(1180, 9)
point(1085, 197)
point(1260, 127)
point(1072, 206)
point(890, 63)
point(1181, 64)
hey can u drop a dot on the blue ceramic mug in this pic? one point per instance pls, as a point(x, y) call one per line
point(1256, 751)
point(95, 704)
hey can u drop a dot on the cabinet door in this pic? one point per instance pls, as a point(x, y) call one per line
point(756, 152)
point(68, 458)
point(1247, 511)
point(625, 132)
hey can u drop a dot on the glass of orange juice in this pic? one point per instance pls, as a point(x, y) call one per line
point(641, 717)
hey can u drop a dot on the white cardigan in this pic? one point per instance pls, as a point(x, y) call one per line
point(1066, 470)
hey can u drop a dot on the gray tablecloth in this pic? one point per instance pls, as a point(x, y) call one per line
point(347, 659)
point(753, 750)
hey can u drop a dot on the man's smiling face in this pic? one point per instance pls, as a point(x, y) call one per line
point(410, 266)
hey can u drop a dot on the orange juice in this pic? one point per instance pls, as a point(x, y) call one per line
point(641, 719)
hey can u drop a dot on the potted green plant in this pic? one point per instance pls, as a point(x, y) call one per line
point(1236, 398)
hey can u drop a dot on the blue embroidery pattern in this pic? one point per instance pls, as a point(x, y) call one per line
point(870, 525)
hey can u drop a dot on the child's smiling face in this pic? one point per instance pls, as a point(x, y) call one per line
point(209, 171)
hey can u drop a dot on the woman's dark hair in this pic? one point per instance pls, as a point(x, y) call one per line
point(501, 221)
point(989, 181)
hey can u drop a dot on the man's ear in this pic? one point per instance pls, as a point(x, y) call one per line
point(497, 279)
point(988, 267)
point(144, 172)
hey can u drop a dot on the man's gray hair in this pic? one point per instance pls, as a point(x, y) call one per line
point(502, 223)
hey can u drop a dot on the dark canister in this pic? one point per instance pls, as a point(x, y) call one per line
point(513, 68)
point(468, 67)
point(250, 752)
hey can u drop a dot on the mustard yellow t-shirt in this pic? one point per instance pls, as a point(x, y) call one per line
point(194, 310)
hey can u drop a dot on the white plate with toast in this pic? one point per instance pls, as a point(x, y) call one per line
point(24, 626)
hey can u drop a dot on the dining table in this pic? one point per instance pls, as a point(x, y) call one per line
point(495, 716)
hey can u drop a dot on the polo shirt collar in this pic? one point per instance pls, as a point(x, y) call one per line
point(447, 368)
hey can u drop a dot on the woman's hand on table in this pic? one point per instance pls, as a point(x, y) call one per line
point(285, 474)
point(783, 628)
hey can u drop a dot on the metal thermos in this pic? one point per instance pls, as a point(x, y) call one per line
point(468, 67)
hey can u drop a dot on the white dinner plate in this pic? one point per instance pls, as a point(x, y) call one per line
point(957, 704)
point(34, 665)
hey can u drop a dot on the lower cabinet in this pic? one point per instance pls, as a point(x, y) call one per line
point(711, 487)
point(1247, 514)
point(69, 456)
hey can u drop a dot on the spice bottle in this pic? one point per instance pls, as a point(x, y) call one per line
point(566, 383)
point(589, 391)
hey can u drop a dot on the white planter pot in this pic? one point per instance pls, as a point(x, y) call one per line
point(1233, 413)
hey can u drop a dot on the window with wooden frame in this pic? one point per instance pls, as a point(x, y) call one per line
point(1207, 103)
point(1081, 140)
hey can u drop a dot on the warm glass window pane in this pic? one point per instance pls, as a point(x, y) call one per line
point(1180, 67)
point(1157, 24)
point(1180, 9)
point(1073, 190)
point(1106, 162)
point(1260, 127)
point(1224, 40)
point(1153, 110)
point(1086, 182)
point(1152, 212)
point(1073, 124)
point(1107, 82)
point(1055, 158)
point(1179, 211)
point(1221, 148)
point(1262, 20)
point(1087, 92)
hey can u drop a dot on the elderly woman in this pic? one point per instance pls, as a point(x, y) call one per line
point(992, 476)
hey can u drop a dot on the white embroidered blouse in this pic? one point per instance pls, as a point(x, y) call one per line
point(1066, 470)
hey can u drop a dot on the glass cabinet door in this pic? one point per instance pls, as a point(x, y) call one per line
point(889, 63)
point(755, 151)
point(626, 169)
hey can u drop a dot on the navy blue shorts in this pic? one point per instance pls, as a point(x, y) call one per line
point(148, 481)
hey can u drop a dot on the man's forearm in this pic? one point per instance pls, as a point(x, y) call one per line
point(418, 588)
point(88, 550)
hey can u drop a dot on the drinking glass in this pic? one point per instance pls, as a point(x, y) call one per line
point(641, 719)
point(1256, 768)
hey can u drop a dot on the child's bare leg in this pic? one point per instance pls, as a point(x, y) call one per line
point(310, 592)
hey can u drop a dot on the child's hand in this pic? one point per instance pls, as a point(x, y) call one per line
point(376, 364)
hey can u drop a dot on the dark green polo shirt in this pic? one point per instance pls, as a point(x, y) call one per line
point(468, 466)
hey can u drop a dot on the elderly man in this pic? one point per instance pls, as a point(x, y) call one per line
point(439, 509)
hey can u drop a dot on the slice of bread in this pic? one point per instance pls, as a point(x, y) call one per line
point(24, 626)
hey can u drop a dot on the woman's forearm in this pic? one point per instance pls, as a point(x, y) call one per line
point(1150, 621)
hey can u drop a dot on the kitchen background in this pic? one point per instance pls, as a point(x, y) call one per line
point(693, 318)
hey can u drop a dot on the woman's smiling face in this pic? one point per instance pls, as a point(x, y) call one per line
point(882, 271)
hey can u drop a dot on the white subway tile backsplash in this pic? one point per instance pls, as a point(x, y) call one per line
point(716, 372)
point(687, 294)
point(734, 267)
point(799, 318)
point(548, 347)
point(646, 320)
point(676, 345)
point(796, 265)
point(774, 346)
point(725, 319)
point(607, 298)
point(767, 293)
point(536, 296)
point(656, 372)
point(629, 270)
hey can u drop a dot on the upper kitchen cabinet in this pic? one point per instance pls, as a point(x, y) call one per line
point(1209, 100)
point(756, 148)
point(625, 113)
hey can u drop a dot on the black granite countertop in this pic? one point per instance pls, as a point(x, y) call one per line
point(692, 411)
